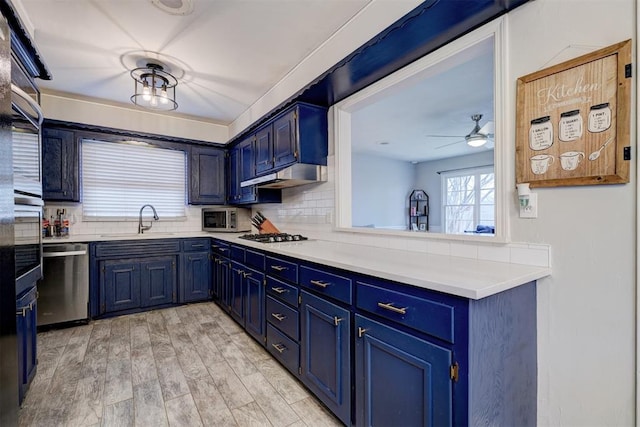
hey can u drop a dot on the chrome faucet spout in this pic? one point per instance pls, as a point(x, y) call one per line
point(143, 228)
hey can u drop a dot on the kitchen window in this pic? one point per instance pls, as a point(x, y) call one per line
point(119, 178)
point(469, 199)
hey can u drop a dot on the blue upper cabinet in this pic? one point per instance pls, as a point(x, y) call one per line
point(207, 183)
point(284, 139)
point(264, 150)
point(60, 155)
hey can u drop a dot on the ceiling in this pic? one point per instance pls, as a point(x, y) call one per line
point(226, 54)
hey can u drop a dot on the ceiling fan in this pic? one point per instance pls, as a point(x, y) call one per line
point(478, 136)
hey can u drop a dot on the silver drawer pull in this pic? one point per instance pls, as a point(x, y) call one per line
point(278, 316)
point(278, 267)
point(197, 246)
point(279, 290)
point(246, 274)
point(320, 283)
point(279, 347)
point(337, 320)
point(224, 249)
point(389, 306)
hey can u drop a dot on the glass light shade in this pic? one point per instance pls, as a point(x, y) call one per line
point(476, 140)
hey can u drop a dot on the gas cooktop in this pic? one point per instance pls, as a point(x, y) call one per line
point(274, 237)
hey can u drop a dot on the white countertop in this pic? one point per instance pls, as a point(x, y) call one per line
point(465, 277)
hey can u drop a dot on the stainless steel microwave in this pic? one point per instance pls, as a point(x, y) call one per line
point(226, 219)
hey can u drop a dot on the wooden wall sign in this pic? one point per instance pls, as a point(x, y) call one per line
point(573, 121)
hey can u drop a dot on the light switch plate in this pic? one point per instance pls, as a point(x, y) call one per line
point(531, 210)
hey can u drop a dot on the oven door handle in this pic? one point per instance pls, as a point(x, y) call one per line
point(25, 96)
point(20, 199)
point(63, 253)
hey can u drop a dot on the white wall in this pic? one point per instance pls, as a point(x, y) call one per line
point(586, 309)
point(428, 178)
point(380, 188)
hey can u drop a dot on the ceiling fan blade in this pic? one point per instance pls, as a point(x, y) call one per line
point(444, 136)
point(488, 128)
point(451, 143)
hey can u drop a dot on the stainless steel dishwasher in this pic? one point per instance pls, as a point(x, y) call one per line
point(64, 288)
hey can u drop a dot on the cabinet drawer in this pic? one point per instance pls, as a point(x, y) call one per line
point(220, 247)
point(283, 348)
point(254, 259)
point(283, 317)
point(129, 249)
point(196, 245)
point(237, 253)
point(330, 284)
point(26, 300)
point(282, 291)
point(432, 317)
point(280, 268)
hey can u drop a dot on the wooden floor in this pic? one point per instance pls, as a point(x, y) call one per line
point(185, 366)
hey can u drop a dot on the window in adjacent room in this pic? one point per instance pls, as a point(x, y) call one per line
point(469, 198)
point(119, 178)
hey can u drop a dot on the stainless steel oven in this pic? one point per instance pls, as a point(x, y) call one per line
point(26, 121)
point(28, 241)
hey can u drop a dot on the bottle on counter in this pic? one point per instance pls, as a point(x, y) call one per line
point(45, 228)
point(52, 230)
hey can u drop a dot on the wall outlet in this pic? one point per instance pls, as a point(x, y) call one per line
point(529, 209)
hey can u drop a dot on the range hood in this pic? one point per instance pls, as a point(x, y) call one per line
point(292, 176)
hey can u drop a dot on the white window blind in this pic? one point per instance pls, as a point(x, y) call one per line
point(26, 154)
point(118, 179)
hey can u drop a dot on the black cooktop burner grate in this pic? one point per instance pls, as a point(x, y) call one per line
point(274, 237)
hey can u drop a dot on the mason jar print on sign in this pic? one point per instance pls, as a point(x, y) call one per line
point(599, 118)
point(541, 133)
point(570, 127)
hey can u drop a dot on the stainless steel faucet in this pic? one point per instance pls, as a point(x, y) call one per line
point(143, 228)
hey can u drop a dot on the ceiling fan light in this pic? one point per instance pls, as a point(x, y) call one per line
point(476, 140)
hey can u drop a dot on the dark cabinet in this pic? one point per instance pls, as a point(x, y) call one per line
point(255, 304)
point(400, 379)
point(237, 292)
point(264, 150)
point(221, 273)
point(60, 165)
point(134, 283)
point(26, 318)
point(207, 183)
point(131, 275)
point(196, 270)
point(121, 284)
point(242, 168)
point(325, 353)
point(284, 140)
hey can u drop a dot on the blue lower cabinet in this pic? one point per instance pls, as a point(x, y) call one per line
point(237, 292)
point(121, 285)
point(255, 300)
point(26, 317)
point(196, 281)
point(400, 379)
point(221, 282)
point(325, 353)
point(157, 281)
point(143, 283)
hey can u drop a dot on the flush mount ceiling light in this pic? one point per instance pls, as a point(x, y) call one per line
point(154, 88)
point(174, 7)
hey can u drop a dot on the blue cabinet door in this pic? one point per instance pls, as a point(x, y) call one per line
point(196, 282)
point(400, 379)
point(247, 169)
point(158, 281)
point(207, 183)
point(121, 285)
point(237, 292)
point(264, 150)
point(222, 282)
point(325, 353)
point(26, 318)
point(60, 165)
point(233, 192)
point(255, 300)
point(285, 139)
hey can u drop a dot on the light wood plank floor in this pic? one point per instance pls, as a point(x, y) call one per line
point(185, 366)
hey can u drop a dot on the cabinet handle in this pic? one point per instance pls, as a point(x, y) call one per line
point(197, 246)
point(246, 274)
point(337, 320)
point(280, 290)
point(320, 283)
point(389, 306)
point(22, 312)
point(279, 347)
point(361, 331)
point(278, 316)
point(278, 267)
point(224, 249)
point(215, 246)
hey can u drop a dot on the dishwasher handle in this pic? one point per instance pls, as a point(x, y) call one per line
point(61, 254)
